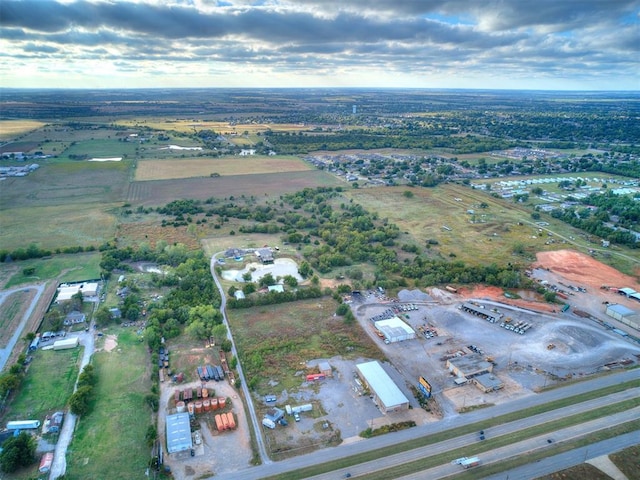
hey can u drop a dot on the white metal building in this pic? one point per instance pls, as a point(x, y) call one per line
point(624, 315)
point(385, 392)
point(178, 433)
point(395, 330)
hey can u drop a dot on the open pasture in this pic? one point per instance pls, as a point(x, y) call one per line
point(112, 437)
point(62, 268)
point(223, 166)
point(109, 147)
point(311, 332)
point(487, 235)
point(14, 128)
point(58, 226)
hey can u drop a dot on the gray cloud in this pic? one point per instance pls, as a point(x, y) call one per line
point(548, 38)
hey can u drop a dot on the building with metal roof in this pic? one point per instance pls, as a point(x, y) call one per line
point(469, 366)
point(178, 433)
point(624, 315)
point(395, 330)
point(386, 393)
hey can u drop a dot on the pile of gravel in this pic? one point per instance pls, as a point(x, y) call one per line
point(413, 296)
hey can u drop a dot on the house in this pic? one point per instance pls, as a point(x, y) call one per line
point(265, 255)
point(74, 318)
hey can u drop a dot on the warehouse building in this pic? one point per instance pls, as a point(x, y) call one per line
point(624, 315)
point(395, 330)
point(385, 392)
point(488, 382)
point(178, 433)
point(469, 366)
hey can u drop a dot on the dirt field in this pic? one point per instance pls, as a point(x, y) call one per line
point(584, 270)
point(160, 192)
point(12, 128)
point(225, 166)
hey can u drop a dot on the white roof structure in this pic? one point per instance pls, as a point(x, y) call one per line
point(178, 433)
point(382, 386)
point(395, 330)
point(67, 291)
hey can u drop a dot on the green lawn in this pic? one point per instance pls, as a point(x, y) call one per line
point(48, 384)
point(65, 268)
point(109, 442)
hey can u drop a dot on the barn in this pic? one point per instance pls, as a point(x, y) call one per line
point(385, 392)
point(624, 315)
point(395, 330)
point(178, 433)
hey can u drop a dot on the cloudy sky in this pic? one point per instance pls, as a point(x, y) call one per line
point(522, 44)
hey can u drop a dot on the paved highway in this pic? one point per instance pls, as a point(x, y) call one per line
point(329, 454)
point(569, 459)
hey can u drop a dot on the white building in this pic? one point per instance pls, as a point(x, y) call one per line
point(386, 393)
point(395, 330)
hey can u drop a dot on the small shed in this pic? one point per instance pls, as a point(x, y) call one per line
point(276, 288)
point(239, 295)
point(325, 368)
point(274, 414)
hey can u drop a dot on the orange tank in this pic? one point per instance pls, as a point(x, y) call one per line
point(198, 407)
point(225, 420)
point(191, 408)
point(231, 420)
point(214, 403)
point(205, 393)
point(219, 424)
point(222, 402)
point(206, 404)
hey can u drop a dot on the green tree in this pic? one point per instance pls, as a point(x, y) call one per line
point(102, 316)
point(226, 346)
point(17, 452)
point(79, 402)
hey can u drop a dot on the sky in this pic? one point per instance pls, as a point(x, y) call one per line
point(487, 44)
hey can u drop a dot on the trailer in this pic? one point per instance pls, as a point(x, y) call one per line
point(66, 343)
point(23, 425)
point(470, 462)
point(268, 423)
point(220, 371)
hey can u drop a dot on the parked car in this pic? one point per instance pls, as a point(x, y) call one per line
point(296, 416)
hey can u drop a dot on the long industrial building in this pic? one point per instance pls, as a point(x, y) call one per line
point(178, 433)
point(385, 392)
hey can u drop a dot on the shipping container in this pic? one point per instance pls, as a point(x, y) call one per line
point(46, 462)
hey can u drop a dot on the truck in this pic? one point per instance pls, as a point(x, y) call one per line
point(23, 425)
point(470, 462)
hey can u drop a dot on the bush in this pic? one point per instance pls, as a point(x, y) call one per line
point(17, 452)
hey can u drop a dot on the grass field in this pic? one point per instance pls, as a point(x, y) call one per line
point(311, 332)
point(490, 234)
point(13, 128)
point(224, 166)
point(109, 442)
point(64, 268)
point(47, 385)
point(10, 311)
